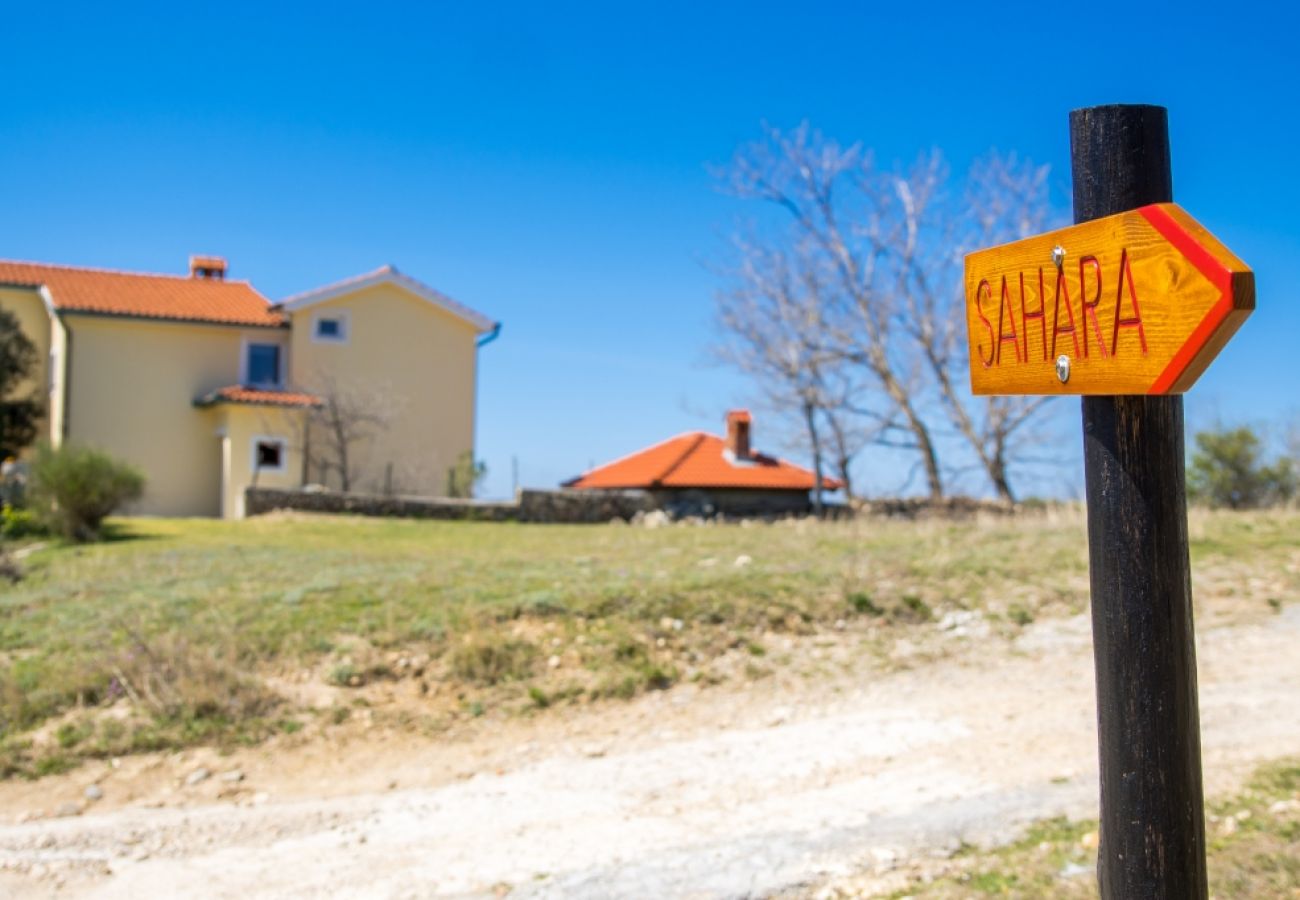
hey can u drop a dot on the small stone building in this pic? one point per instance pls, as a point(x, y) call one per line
point(697, 473)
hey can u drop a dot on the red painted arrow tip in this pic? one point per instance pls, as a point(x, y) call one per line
point(1213, 269)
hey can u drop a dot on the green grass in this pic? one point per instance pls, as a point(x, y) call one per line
point(1256, 855)
point(181, 622)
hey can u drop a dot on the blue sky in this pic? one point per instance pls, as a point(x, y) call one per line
point(549, 165)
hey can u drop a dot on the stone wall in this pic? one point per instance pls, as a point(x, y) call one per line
point(531, 505)
point(258, 500)
point(582, 506)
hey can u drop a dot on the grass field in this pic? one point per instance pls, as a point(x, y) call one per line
point(182, 632)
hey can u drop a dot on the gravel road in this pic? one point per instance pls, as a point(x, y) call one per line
point(713, 794)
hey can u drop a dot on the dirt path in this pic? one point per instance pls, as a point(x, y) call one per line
point(718, 793)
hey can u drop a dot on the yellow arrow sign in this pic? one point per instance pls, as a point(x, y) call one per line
point(1137, 303)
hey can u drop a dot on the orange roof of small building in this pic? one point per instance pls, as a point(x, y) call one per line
point(236, 393)
point(699, 460)
point(141, 295)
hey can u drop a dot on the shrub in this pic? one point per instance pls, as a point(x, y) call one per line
point(1228, 469)
point(73, 489)
point(18, 523)
point(465, 475)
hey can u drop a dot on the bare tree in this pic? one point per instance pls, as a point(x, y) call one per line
point(770, 320)
point(334, 433)
point(1005, 199)
point(829, 194)
point(887, 248)
point(850, 429)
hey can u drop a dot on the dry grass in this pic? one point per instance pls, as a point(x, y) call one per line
point(168, 634)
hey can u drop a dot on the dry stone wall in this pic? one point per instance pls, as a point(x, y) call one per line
point(530, 506)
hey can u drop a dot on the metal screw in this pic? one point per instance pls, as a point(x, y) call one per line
point(1058, 259)
point(1063, 368)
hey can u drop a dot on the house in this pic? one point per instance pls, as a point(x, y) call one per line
point(208, 387)
point(701, 473)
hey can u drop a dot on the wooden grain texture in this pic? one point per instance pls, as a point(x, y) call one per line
point(1176, 292)
point(1148, 728)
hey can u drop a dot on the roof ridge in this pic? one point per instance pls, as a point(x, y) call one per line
point(700, 437)
point(103, 270)
point(634, 453)
point(386, 268)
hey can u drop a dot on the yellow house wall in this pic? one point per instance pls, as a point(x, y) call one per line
point(413, 362)
point(27, 306)
point(130, 390)
point(240, 426)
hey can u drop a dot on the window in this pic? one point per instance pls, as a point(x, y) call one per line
point(330, 328)
point(268, 454)
point(263, 365)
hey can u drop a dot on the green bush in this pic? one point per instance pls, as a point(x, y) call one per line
point(18, 523)
point(73, 489)
point(1228, 469)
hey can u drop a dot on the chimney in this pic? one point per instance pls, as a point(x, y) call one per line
point(738, 433)
point(208, 268)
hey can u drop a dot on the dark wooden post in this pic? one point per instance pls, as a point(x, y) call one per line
point(1148, 727)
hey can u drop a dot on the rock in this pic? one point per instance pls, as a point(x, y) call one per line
point(1073, 870)
point(68, 809)
point(743, 560)
point(233, 776)
point(94, 792)
point(553, 662)
point(260, 798)
point(655, 518)
point(198, 776)
point(593, 751)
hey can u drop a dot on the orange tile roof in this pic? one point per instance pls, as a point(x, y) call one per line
point(698, 460)
point(176, 297)
point(256, 396)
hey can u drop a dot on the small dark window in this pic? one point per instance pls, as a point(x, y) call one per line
point(264, 364)
point(270, 455)
point(329, 328)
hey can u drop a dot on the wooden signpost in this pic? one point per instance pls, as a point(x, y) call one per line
point(1135, 303)
point(1127, 308)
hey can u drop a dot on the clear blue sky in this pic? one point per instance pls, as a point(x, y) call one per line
point(548, 165)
